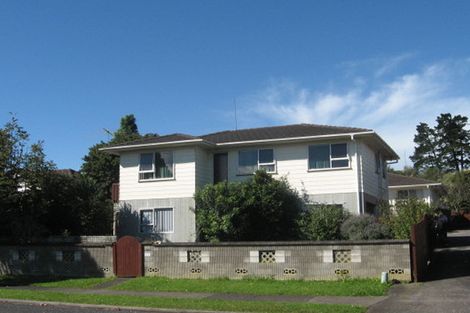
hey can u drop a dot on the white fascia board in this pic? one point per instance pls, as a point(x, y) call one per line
point(291, 139)
point(414, 186)
point(394, 155)
point(117, 149)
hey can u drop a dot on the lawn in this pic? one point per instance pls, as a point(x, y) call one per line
point(75, 282)
point(348, 287)
point(171, 303)
point(44, 281)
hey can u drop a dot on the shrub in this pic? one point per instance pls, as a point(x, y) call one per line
point(403, 215)
point(260, 208)
point(323, 222)
point(364, 227)
point(457, 197)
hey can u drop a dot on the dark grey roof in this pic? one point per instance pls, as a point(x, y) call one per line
point(278, 132)
point(274, 132)
point(401, 180)
point(156, 139)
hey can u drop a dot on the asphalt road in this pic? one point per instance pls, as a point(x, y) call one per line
point(37, 308)
point(448, 289)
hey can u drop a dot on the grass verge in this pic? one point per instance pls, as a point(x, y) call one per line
point(75, 282)
point(349, 287)
point(170, 303)
point(53, 281)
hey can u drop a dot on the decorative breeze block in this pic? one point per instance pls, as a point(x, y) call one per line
point(342, 256)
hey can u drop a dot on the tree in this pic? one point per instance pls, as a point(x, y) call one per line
point(454, 141)
point(443, 148)
point(74, 207)
point(261, 208)
point(426, 153)
point(103, 167)
point(23, 168)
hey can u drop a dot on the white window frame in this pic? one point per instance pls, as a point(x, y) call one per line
point(154, 215)
point(151, 224)
point(258, 162)
point(147, 171)
point(347, 157)
point(154, 167)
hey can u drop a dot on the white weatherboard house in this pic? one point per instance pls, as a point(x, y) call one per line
point(159, 175)
point(405, 187)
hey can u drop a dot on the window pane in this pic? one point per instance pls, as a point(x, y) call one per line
point(377, 162)
point(268, 168)
point(164, 220)
point(146, 221)
point(247, 161)
point(146, 229)
point(266, 156)
point(412, 193)
point(164, 164)
point(402, 194)
point(319, 156)
point(340, 163)
point(146, 160)
point(339, 150)
point(148, 175)
point(146, 217)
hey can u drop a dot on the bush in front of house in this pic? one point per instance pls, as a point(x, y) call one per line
point(403, 215)
point(260, 208)
point(364, 227)
point(322, 222)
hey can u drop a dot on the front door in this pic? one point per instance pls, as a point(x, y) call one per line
point(220, 167)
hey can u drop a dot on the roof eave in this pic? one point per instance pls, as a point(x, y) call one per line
point(414, 185)
point(289, 139)
point(117, 149)
point(392, 155)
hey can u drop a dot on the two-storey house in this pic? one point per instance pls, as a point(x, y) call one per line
point(159, 175)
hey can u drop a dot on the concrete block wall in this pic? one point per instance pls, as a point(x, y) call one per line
point(291, 260)
point(74, 257)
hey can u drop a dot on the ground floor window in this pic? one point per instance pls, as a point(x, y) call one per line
point(406, 194)
point(156, 220)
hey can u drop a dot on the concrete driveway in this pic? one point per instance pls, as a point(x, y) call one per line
point(448, 289)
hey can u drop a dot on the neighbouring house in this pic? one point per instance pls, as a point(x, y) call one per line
point(402, 187)
point(159, 175)
point(66, 171)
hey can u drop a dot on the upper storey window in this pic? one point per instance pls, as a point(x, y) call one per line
point(249, 161)
point(158, 165)
point(323, 156)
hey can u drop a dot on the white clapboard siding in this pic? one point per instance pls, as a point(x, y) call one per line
point(183, 184)
point(374, 183)
point(292, 163)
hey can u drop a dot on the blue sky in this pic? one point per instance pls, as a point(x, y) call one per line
point(68, 69)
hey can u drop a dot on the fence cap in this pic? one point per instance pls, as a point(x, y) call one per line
point(277, 243)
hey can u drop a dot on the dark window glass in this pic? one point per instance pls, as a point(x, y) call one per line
point(319, 156)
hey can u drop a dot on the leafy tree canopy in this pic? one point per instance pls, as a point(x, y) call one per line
point(102, 167)
point(444, 147)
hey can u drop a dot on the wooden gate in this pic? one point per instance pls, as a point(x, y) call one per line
point(128, 257)
point(421, 249)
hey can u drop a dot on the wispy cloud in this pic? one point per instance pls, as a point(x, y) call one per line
point(393, 107)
